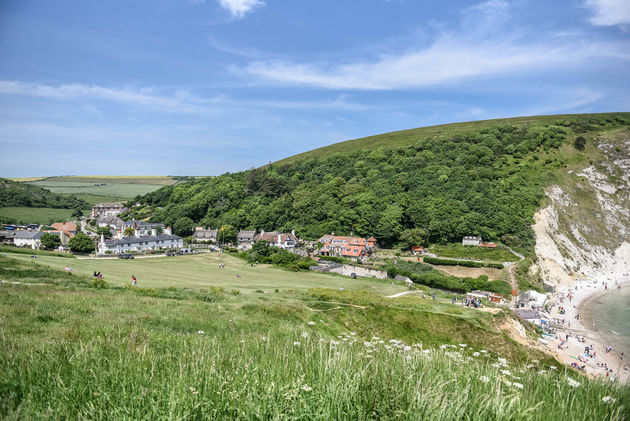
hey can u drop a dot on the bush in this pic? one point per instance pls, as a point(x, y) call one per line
point(500, 287)
point(99, 283)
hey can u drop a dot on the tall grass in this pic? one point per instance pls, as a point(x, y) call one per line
point(109, 354)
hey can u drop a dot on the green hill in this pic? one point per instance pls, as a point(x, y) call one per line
point(433, 184)
point(21, 194)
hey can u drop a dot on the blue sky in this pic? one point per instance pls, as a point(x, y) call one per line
point(194, 87)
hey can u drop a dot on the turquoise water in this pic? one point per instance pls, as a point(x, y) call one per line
point(611, 314)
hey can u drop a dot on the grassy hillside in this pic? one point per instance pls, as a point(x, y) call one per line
point(27, 215)
point(20, 194)
point(410, 136)
point(431, 185)
point(135, 353)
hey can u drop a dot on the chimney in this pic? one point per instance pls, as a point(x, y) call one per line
point(279, 239)
point(293, 233)
point(102, 238)
point(153, 232)
point(168, 230)
point(119, 234)
point(135, 231)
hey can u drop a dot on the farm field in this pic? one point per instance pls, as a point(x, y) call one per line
point(100, 188)
point(119, 353)
point(202, 271)
point(38, 215)
point(499, 254)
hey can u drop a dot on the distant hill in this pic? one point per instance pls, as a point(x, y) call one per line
point(430, 185)
point(21, 194)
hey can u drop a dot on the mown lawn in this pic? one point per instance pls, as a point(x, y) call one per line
point(499, 254)
point(202, 271)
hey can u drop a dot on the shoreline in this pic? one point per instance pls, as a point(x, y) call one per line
point(569, 351)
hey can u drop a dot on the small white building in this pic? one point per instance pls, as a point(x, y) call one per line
point(110, 222)
point(28, 239)
point(142, 228)
point(531, 298)
point(471, 240)
point(203, 234)
point(107, 209)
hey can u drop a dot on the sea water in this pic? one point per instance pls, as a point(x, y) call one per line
point(611, 314)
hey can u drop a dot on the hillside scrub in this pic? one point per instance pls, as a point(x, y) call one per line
point(487, 182)
point(21, 194)
point(108, 354)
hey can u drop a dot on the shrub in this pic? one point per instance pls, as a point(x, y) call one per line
point(99, 283)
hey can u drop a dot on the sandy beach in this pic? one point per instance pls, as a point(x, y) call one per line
point(606, 364)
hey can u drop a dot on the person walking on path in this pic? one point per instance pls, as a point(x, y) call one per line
point(134, 281)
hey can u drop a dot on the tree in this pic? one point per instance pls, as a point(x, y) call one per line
point(105, 232)
point(50, 241)
point(579, 143)
point(227, 234)
point(129, 232)
point(412, 237)
point(183, 226)
point(261, 248)
point(81, 243)
point(77, 213)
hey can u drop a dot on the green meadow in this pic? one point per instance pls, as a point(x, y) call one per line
point(37, 215)
point(69, 350)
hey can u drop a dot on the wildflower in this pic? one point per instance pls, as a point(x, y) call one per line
point(506, 372)
point(483, 351)
point(502, 361)
point(608, 399)
point(519, 385)
point(572, 383)
point(484, 379)
point(407, 348)
point(304, 335)
point(426, 351)
point(443, 346)
point(242, 341)
point(311, 323)
point(507, 382)
point(463, 345)
point(541, 372)
point(296, 343)
point(476, 354)
point(307, 388)
point(193, 390)
point(353, 333)
point(201, 332)
point(333, 342)
point(375, 338)
point(264, 339)
point(553, 367)
point(368, 344)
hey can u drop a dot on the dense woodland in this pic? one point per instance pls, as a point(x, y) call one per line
point(486, 182)
point(13, 193)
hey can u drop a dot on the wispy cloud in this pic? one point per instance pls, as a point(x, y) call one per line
point(239, 8)
point(489, 47)
point(609, 12)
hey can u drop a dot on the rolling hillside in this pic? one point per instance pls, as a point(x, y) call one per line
point(428, 185)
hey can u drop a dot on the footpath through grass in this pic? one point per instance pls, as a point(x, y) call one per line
point(69, 351)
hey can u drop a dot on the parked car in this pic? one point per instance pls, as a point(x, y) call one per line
point(125, 256)
point(170, 253)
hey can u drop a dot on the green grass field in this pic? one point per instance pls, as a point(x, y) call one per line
point(499, 254)
point(100, 188)
point(38, 215)
point(68, 351)
point(202, 271)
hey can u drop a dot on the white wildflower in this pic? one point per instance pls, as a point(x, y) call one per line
point(307, 388)
point(506, 372)
point(476, 354)
point(541, 372)
point(304, 335)
point(353, 333)
point(311, 323)
point(443, 346)
point(201, 332)
point(368, 344)
point(553, 367)
point(375, 338)
point(572, 383)
point(608, 399)
point(519, 385)
point(296, 343)
point(264, 339)
point(483, 351)
point(426, 351)
point(507, 382)
point(484, 379)
point(502, 361)
point(333, 342)
point(463, 345)
point(407, 348)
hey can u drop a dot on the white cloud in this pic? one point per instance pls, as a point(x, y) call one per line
point(239, 8)
point(609, 12)
point(486, 45)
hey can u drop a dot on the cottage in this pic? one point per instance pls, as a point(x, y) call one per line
point(110, 221)
point(532, 299)
point(30, 239)
point(471, 240)
point(203, 234)
point(6, 236)
point(245, 236)
point(107, 209)
point(142, 228)
point(68, 228)
point(278, 239)
point(532, 316)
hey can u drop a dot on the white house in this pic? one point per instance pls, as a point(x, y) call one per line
point(471, 240)
point(107, 209)
point(110, 221)
point(203, 234)
point(142, 228)
point(27, 239)
point(278, 239)
point(531, 298)
point(139, 244)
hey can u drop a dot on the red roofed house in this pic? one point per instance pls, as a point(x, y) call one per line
point(338, 245)
point(65, 230)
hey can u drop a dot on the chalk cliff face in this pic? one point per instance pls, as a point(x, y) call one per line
point(584, 232)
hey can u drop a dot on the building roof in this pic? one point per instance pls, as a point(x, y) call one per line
point(202, 233)
point(472, 237)
point(146, 238)
point(528, 314)
point(108, 205)
point(272, 237)
point(27, 235)
point(340, 239)
point(110, 220)
point(246, 234)
point(142, 224)
point(66, 227)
